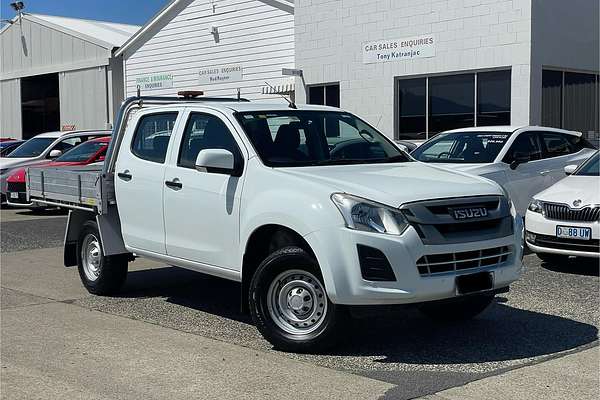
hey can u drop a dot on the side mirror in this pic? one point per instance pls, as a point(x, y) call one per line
point(216, 161)
point(54, 153)
point(518, 159)
point(569, 169)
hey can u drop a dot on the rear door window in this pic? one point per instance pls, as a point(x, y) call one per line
point(527, 143)
point(556, 144)
point(152, 134)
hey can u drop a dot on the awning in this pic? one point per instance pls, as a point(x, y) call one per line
point(285, 88)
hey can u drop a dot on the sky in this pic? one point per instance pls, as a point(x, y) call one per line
point(136, 12)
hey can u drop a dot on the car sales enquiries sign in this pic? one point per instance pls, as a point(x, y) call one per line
point(399, 49)
point(155, 81)
point(222, 74)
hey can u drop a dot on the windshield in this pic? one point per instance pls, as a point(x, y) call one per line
point(31, 148)
point(462, 147)
point(303, 138)
point(82, 152)
point(591, 167)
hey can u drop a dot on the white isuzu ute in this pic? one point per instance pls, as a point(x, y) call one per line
point(309, 207)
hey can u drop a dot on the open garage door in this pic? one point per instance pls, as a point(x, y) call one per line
point(40, 108)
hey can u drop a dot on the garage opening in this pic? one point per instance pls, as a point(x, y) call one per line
point(39, 104)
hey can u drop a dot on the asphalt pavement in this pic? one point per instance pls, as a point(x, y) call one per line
point(551, 313)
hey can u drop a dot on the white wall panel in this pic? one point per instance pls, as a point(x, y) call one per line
point(252, 34)
point(10, 108)
point(83, 98)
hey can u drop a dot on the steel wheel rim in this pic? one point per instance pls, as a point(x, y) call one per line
point(91, 257)
point(297, 302)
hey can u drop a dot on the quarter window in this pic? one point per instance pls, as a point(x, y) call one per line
point(526, 143)
point(204, 131)
point(151, 137)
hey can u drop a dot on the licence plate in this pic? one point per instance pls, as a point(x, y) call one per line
point(573, 232)
point(473, 283)
point(14, 195)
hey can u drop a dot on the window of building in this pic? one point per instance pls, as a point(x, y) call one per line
point(451, 102)
point(429, 105)
point(412, 106)
point(493, 98)
point(570, 100)
point(325, 95)
point(151, 137)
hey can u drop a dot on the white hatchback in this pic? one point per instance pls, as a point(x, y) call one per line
point(523, 160)
point(564, 220)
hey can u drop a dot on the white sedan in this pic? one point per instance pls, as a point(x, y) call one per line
point(523, 160)
point(563, 220)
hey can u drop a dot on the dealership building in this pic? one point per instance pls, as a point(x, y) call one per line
point(417, 67)
point(412, 68)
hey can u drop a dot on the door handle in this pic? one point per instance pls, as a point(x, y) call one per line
point(125, 175)
point(546, 172)
point(175, 184)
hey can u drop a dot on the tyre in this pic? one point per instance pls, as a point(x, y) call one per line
point(289, 304)
point(459, 309)
point(552, 258)
point(99, 274)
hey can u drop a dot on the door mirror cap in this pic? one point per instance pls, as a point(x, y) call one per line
point(569, 169)
point(55, 153)
point(518, 159)
point(216, 161)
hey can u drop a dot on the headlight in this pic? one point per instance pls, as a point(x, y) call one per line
point(536, 206)
point(368, 216)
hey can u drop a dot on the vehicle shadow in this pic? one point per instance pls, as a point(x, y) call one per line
point(576, 266)
point(392, 334)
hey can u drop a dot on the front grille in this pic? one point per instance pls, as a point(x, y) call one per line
point(433, 264)
point(553, 242)
point(436, 223)
point(562, 212)
point(15, 186)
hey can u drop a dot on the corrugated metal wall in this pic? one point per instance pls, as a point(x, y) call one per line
point(257, 36)
point(10, 108)
point(83, 98)
point(29, 49)
point(33, 49)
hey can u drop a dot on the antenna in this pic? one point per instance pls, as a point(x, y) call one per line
point(290, 102)
point(138, 90)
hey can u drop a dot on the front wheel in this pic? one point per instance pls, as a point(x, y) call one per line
point(100, 274)
point(459, 309)
point(289, 304)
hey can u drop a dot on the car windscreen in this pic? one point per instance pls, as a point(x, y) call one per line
point(31, 148)
point(298, 138)
point(82, 152)
point(462, 147)
point(591, 167)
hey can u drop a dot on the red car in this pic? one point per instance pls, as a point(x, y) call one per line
point(86, 153)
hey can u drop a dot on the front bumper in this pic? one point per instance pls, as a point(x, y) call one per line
point(336, 253)
point(546, 241)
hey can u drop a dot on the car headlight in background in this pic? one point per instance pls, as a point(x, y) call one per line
point(536, 206)
point(364, 215)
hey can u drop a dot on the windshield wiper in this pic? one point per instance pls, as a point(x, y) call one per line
point(344, 161)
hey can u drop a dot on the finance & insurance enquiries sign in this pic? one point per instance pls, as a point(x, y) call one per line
point(399, 49)
point(155, 81)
